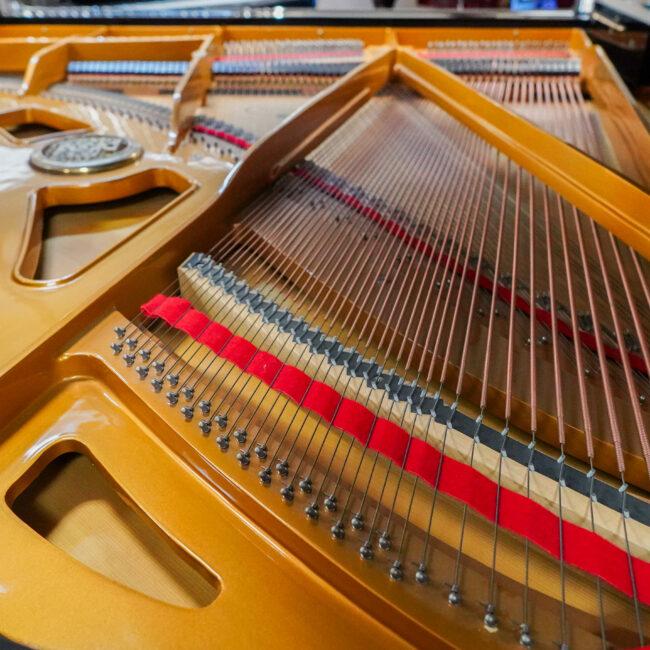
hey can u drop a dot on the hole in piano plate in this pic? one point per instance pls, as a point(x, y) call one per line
point(75, 507)
point(73, 235)
point(28, 130)
point(72, 227)
point(29, 122)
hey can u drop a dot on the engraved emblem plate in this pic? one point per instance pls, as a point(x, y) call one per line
point(85, 154)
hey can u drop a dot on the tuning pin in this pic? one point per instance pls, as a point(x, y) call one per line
point(205, 427)
point(131, 342)
point(129, 359)
point(172, 379)
point(490, 619)
point(261, 451)
point(312, 511)
point(116, 347)
point(172, 397)
point(143, 371)
point(119, 332)
point(223, 441)
point(265, 475)
point(384, 541)
point(455, 598)
point(330, 503)
point(357, 521)
point(157, 384)
point(240, 436)
point(221, 421)
point(188, 412)
point(282, 468)
point(244, 458)
point(366, 551)
point(188, 391)
point(396, 571)
point(205, 406)
point(305, 485)
point(337, 530)
point(421, 575)
point(525, 638)
point(287, 492)
point(145, 354)
point(158, 366)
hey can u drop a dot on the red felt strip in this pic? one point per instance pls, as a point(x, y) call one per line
point(223, 135)
point(394, 228)
point(322, 399)
point(354, 418)
point(239, 351)
point(193, 322)
point(264, 366)
point(215, 336)
point(582, 548)
point(292, 382)
point(497, 54)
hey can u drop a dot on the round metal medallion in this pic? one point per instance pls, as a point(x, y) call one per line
point(85, 154)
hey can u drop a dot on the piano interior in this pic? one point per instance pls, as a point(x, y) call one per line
point(322, 336)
